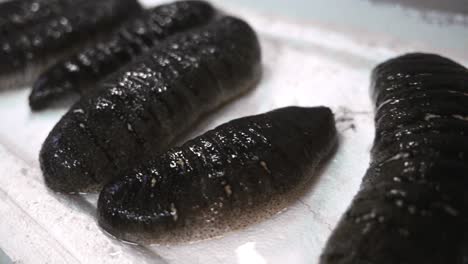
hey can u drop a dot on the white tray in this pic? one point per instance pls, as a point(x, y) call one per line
point(306, 63)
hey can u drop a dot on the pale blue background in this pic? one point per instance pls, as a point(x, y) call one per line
point(411, 21)
point(4, 258)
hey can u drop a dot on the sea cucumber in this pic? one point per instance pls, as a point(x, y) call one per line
point(27, 51)
point(81, 71)
point(411, 204)
point(19, 14)
point(224, 179)
point(139, 110)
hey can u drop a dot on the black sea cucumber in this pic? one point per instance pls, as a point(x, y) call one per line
point(411, 207)
point(221, 180)
point(139, 110)
point(18, 14)
point(83, 70)
point(27, 50)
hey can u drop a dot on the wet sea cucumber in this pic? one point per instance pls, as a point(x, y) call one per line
point(81, 71)
point(139, 110)
point(411, 207)
point(19, 14)
point(27, 51)
point(222, 180)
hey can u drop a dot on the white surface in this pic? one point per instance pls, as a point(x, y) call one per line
point(305, 65)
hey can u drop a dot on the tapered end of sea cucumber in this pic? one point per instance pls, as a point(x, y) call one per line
point(410, 63)
point(52, 86)
point(312, 120)
point(312, 128)
point(129, 211)
point(69, 159)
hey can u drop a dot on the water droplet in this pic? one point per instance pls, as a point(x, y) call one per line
point(64, 21)
point(35, 7)
point(450, 210)
point(37, 40)
point(181, 163)
point(399, 203)
point(174, 212)
point(227, 190)
point(265, 167)
point(460, 117)
point(366, 228)
point(403, 232)
point(396, 192)
point(428, 117)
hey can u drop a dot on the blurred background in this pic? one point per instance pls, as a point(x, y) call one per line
point(441, 24)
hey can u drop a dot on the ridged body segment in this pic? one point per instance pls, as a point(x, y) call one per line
point(220, 177)
point(139, 110)
point(411, 207)
point(81, 71)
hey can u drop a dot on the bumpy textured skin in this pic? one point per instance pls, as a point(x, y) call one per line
point(412, 205)
point(81, 71)
point(216, 177)
point(18, 14)
point(139, 110)
point(25, 52)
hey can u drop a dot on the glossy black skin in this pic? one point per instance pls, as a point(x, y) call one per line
point(81, 71)
point(412, 205)
point(19, 14)
point(243, 164)
point(138, 111)
point(26, 51)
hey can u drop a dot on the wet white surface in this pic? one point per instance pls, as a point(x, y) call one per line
point(305, 64)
